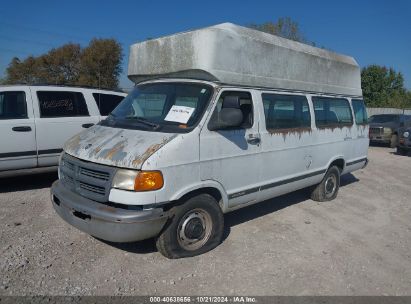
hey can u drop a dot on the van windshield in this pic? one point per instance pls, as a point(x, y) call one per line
point(162, 107)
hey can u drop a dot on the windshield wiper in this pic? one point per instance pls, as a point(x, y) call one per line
point(145, 121)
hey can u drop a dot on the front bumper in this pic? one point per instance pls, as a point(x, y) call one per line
point(106, 222)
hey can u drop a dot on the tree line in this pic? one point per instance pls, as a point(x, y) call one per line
point(99, 65)
point(96, 65)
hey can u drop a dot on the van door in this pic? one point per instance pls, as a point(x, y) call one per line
point(286, 142)
point(231, 156)
point(17, 129)
point(60, 115)
point(360, 136)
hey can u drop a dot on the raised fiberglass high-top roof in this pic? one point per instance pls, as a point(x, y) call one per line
point(237, 55)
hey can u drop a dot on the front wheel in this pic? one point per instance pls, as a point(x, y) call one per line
point(196, 227)
point(401, 151)
point(328, 188)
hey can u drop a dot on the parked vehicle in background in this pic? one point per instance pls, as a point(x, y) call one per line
point(230, 119)
point(35, 121)
point(385, 128)
point(404, 143)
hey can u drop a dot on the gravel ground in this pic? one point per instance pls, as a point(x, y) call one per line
point(359, 244)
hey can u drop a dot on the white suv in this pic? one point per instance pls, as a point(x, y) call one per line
point(35, 121)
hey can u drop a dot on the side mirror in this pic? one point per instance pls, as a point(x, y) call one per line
point(230, 115)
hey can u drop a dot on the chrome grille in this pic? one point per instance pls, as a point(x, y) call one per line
point(92, 188)
point(88, 179)
point(95, 174)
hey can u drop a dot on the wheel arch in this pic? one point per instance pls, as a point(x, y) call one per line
point(338, 161)
point(212, 188)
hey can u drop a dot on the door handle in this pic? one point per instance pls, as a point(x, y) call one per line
point(253, 139)
point(87, 125)
point(21, 129)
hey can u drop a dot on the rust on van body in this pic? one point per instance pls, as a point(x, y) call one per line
point(290, 131)
point(116, 147)
point(332, 127)
point(139, 159)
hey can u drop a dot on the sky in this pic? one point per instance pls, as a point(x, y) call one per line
point(373, 32)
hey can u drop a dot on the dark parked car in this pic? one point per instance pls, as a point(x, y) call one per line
point(385, 128)
point(404, 144)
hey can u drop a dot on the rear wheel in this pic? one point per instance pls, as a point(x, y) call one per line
point(196, 227)
point(327, 190)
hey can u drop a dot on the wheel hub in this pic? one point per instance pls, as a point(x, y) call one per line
point(194, 228)
point(330, 185)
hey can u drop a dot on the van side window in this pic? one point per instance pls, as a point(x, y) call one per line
point(107, 102)
point(360, 112)
point(246, 106)
point(332, 111)
point(13, 105)
point(286, 111)
point(62, 104)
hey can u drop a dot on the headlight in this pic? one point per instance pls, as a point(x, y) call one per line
point(134, 180)
point(406, 134)
point(59, 163)
point(387, 130)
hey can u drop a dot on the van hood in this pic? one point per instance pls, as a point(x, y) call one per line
point(116, 147)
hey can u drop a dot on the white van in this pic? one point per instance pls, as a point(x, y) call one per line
point(220, 118)
point(35, 121)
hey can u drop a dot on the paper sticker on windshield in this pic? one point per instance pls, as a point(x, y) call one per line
point(179, 114)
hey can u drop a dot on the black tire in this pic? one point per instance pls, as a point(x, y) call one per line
point(394, 141)
point(401, 151)
point(327, 190)
point(199, 217)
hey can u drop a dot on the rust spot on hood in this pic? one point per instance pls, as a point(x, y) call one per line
point(73, 143)
point(117, 147)
point(150, 150)
point(114, 153)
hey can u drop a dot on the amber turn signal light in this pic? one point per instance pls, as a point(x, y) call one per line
point(148, 181)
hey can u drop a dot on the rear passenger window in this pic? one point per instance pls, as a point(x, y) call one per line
point(13, 105)
point(360, 112)
point(62, 104)
point(107, 102)
point(286, 111)
point(332, 111)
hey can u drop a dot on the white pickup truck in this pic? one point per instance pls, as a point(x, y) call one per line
point(35, 121)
